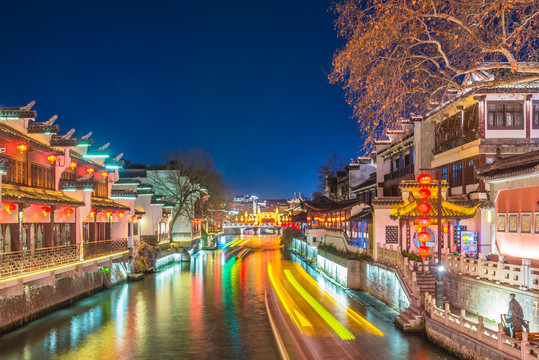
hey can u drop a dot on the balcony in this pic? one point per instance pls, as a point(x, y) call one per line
point(448, 145)
point(20, 262)
point(399, 173)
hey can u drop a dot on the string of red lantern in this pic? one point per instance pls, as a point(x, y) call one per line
point(423, 222)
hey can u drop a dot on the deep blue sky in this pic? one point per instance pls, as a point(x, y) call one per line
point(244, 80)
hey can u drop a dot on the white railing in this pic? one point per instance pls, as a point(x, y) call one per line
point(497, 339)
point(392, 255)
point(523, 276)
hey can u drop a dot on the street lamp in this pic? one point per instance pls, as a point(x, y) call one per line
point(440, 267)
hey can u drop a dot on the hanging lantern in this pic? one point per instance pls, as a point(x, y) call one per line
point(423, 193)
point(9, 207)
point(22, 148)
point(131, 219)
point(108, 212)
point(121, 214)
point(73, 165)
point(342, 218)
point(424, 179)
point(104, 174)
point(93, 212)
point(446, 229)
point(51, 158)
point(308, 218)
point(423, 208)
point(45, 210)
point(90, 170)
point(139, 217)
point(423, 222)
point(423, 236)
point(423, 251)
point(68, 211)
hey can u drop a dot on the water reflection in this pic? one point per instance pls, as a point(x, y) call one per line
point(211, 308)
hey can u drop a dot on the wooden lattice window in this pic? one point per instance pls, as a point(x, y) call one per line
point(392, 234)
point(42, 176)
point(17, 172)
point(68, 175)
point(101, 188)
point(505, 115)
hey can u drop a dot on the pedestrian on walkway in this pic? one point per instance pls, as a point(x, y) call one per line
point(516, 316)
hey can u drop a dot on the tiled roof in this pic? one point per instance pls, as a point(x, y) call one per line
point(370, 181)
point(408, 210)
point(362, 215)
point(104, 203)
point(521, 164)
point(324, 204)
point(139, 212)
point(36, 196)
point(9, 132)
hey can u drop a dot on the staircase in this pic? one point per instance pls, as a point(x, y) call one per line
point(410, 320)
point(426, 282)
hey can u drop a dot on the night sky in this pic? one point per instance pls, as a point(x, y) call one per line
point(244, 80)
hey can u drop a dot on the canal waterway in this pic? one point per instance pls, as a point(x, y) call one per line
point(210, 308)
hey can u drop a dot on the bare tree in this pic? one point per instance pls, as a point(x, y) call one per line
point(189, 181)
point(328, 171)
point(408, 56)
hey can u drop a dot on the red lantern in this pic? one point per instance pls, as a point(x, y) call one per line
point(423, 251)
point(139, 217)
point(121, 213)
point(104, 174)
point(45, 210)
point(68, 211)
point(308, 218)
point(423, 236)
point(22, 148)
point(423, 222)
point(93, 213)
point(423, 193)
point(90, 170)
point(108, 212)
point(423, 208)
point(73, 165)
point(9, 207)
point(424, 179)
point(446, 229)
point(51, 158)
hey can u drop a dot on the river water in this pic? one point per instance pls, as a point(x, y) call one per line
point(210, 308)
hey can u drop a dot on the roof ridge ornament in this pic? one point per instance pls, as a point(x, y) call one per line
point(28, 106)
point(51, 121)
point(104, 146)
point(87, 136)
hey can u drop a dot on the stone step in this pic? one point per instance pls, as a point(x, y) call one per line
point(406, 317)
point(414, 310)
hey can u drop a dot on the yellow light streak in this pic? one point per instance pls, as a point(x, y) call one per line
point(60, 267)
point(343, 332)
point(364, 323)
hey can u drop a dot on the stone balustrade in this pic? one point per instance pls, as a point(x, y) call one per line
point(18, 262)
point(105, 247)
point(523, 276)
point(392, 255)
point(497, 339)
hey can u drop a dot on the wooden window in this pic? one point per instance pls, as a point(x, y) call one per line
point(392, 234)
point(456, 174)
point(101, 188)
point(42, 176)
point(68, 175)
point(17, 172)
point(444, 173)
point(505, 115)
point(535, 115)
point(470, 119)
point(470, 176)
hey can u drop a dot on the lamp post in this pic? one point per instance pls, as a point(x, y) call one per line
point(439, 281)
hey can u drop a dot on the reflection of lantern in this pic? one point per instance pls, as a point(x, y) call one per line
point(108, 212)
point(93, 213)
point(22, 148)
point(423, 208)
point(51, 158)
point(104, 174)
point(68, 211)
point(423, 193)
point(424, 179)
point(423, 236)
point(45, 210)
point(423, 251)
point(423, 222)
point(73, 165)
point(9, 207)
point(90, 170)
point(121, 214)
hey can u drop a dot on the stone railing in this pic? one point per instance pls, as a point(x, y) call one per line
point(392, 255)
point(523, 276)
point(105, 247)
point(18, 262)
point(496, 339)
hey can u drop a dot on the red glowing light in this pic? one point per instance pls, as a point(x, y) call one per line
point(51, 158)
point(45, 210)
point(424, 179)
point(68, 211)
point(423, 193)
point(423, 208)
point(423, 222)
point(423, 236)
point(9, 207)
point(22, 148)
point(423, 251)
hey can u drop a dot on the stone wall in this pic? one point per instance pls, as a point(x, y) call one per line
point(489, 299)
point(383, 283)
point(38, 301)
point(459, 344)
